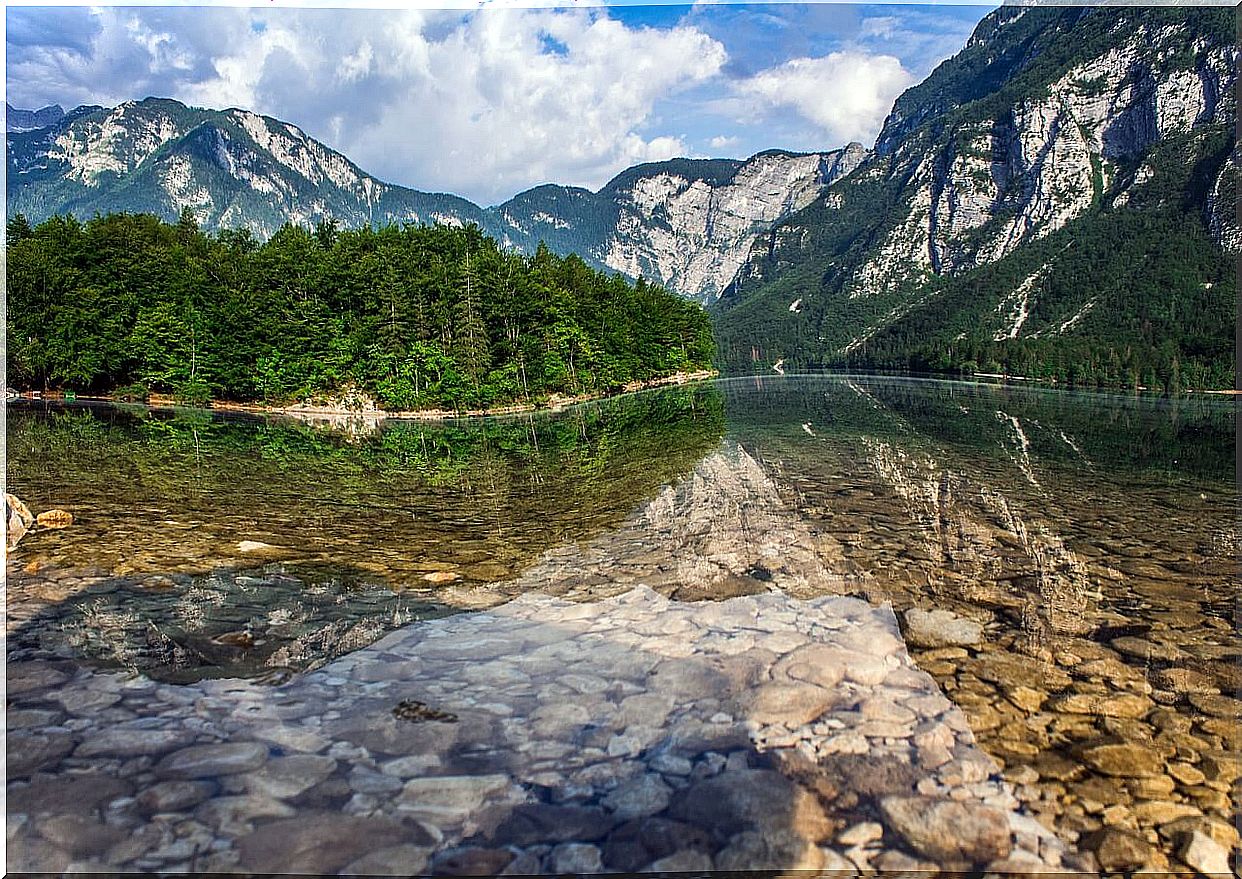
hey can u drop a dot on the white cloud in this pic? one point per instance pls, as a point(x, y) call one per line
point(483, 104)
point(881, 27)
point(844, 94)
point(723, 142)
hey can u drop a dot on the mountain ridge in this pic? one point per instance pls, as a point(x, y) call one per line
point(985, 230)
point(236, 168)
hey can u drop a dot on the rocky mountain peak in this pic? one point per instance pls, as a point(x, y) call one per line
point(28, 120)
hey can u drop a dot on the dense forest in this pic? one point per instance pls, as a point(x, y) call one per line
point(416, 317)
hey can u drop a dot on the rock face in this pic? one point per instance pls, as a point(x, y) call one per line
point(1046, 117)
point(693, 235)
point(232, 167)
point(25, 120)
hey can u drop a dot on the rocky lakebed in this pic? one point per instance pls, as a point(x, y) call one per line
point(634, 733)
point(883, 652)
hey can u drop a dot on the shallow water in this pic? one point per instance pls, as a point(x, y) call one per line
point(1083, 549)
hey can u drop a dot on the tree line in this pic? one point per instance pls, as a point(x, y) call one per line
point(417, 317)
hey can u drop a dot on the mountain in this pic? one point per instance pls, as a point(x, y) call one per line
point(25, 120)
point(1057, 199)
point(232, 167)
point(686, 223)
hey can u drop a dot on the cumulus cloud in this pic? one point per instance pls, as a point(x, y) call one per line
point(483, 104)
point(846, 95)
point(488, 103)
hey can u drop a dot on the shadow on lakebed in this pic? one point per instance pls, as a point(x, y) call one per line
point(629, 734)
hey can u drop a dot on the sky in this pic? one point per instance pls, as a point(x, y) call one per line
point(487, 103)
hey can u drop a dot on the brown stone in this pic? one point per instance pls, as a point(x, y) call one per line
point(1123, 759)
point(772, 850)
point(1154, 787)
point(1117, 850)
point(1221, 831)
point(951, 833)
point(1027, 699)
point(472, 862)
point(1125, 705)
point(751, 799)
point(1141, 648)
point(1184, 680)
point(1011, 670)
point(1157, 812)
point(54, 519)
point(1186, 774)
point(1217, 706)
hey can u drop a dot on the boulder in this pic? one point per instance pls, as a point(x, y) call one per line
point(638, 797)
point(17, 520)
point(206, 761)
point(575, 858)
point(319, 843)
point(794, 703)
point(533, 823)
point(54, 519)
point(1205, 854)
point(776, 850)
point(751, 799)
point(949, 832)
point(1123, 759)
point(1118, 851)
point(941, 628)
point(451, 800)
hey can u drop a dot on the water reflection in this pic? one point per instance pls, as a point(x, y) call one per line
point(1064, 567)
point(467, 502)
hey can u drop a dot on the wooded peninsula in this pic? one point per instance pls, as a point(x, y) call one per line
point(415, 317)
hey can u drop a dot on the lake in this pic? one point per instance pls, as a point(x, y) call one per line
point(815, 622)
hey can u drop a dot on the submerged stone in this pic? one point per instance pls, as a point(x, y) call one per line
point(951, 833)
point(206, 761)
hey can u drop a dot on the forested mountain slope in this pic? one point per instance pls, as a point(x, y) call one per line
point(1056, 200)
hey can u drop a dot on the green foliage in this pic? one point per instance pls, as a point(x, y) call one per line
point(133, 393)
point(417, 317)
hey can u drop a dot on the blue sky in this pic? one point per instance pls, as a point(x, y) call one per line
point(488, 103)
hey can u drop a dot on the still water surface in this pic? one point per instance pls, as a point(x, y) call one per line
point(1084, 548)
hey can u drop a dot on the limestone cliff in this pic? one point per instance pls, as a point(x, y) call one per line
point(1050, 132)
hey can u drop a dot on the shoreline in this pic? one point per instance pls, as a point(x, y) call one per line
point(559, 403)
point(556, 403)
